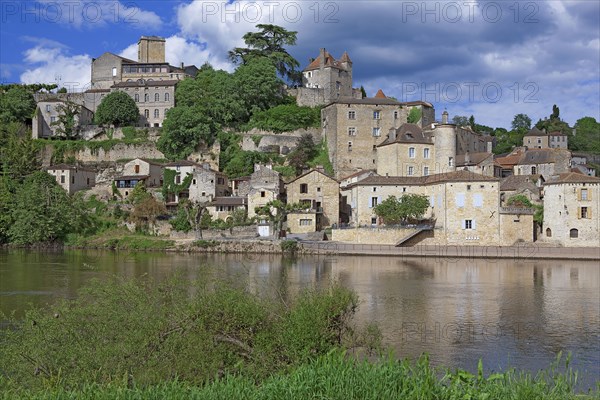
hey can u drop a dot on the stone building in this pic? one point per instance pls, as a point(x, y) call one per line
point(414, 151)
point(321, 193)
point(326, 79)
point(547, 162)
point(208, 184)
point(571, 210)
point(47, 114)
point(265, 185)
point(153, 98)
point(537, 139)
point(139, 170)
point(479, 163)
point(72, 178)
point(529, 186)
point(223, 207)
point(353, 128)
point(463, 210)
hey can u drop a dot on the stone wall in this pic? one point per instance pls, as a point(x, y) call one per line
point(386, 236)
point(238, 232)
point(284, 142)
point(516, 226)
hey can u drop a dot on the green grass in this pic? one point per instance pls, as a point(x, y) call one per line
point(119, 239)
point(335, 376)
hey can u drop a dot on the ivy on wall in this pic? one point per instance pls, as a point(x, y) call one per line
point(169, 185)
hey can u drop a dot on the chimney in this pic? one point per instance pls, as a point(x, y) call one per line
point(392, 135)
point(445, 117)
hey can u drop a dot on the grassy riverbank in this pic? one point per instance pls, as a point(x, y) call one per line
point(336, 376)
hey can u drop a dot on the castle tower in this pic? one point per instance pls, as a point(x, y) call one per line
point(445, 146)
point(151, 49)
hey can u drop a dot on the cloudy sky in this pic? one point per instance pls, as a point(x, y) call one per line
point(493, 59)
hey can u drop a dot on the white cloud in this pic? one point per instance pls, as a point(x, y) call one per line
point(52, 64)
point(96, 13)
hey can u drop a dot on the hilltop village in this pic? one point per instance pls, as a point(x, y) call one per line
point(376, 148)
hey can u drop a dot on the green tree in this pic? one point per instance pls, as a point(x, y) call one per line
point(16, 104)
point(472, 122)
point(258, 86)
point(145, 213)
point(363, 91)
point(183, 130)
point(305, 151)
point(408, 207)
point(41, 211)
point(555, 113)
point(521, 121)
point(414, 115)
point(269, 43)
point(117, 109)
point(66, 122)
point(460, 120)
point(276, 211)
point(19, 155)
point(197, 215)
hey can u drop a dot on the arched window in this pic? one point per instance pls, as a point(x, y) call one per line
point(548, 232)
point(146, 97)
point(156, 113)
point(156, 97)
point(574, 233)
point(166, 96)
point(137, 98)
point(147, 113)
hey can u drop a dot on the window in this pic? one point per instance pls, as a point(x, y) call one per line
point(156, 113)
point(468, 187)
point(395, 114)
point(573, 233)
point(351, 131)
point(193, 181)
point(376, 132)
point(305, 222)
point(73, 179)
point(460, 200)
point(48, 108)
point(156, 97)
point(410, 170)
point(411, 152)
point(136, 169)
point(146, 97)
point(548, 232)
point(533, 170)
point(167, 97)
point(583, 212)
point(373, 220)
point(318, 189)
point(304, 188)
point(584, 194)
point(309, 74)
point(425, 171)
point(263, 194)
point(451, 161)
point(426, 153)
point(350, 146)
point(477, 200)
point(376, 115)
point(88, 181)
point(374, 189)
point(351, 114)
point(137, 98)
point(52, 119)
point(178, 179)
point(468, 224)
point(62, 179)
point(114, 71)
point(147, 113)
point(374, 201)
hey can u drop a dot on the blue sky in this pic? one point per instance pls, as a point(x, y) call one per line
point(493, 59)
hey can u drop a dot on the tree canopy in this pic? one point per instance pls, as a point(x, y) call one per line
point(269, 43)
point(521, 121)
point(397, 210)
point(118, 109)
point(16, 104)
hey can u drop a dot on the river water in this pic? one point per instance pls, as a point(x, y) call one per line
point(510, 313)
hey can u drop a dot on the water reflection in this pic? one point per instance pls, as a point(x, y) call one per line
point(506, 312)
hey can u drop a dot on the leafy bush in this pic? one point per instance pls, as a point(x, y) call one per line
point(117, 108)
point(142, 333)
point(285, 118)
point(289, 246)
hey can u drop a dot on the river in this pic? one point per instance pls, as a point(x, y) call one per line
point(510, 313)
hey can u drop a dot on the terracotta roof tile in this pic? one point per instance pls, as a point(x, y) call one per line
point(572, 177)
point(380, 95)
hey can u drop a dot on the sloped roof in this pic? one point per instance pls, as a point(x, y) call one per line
point(516, 182)
point(571, 177)
point(229, 201)
point(182, 163)
point(310, 172)
point(366, 100)
point(380, 95)
point(345, 57)
point(408, 133)
point(475, 158)
point(68, 167)
point(146, 82)
point(330, 61)
point(535, 132)
point(358, 173)
point(455, 176)
point(538, 156)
